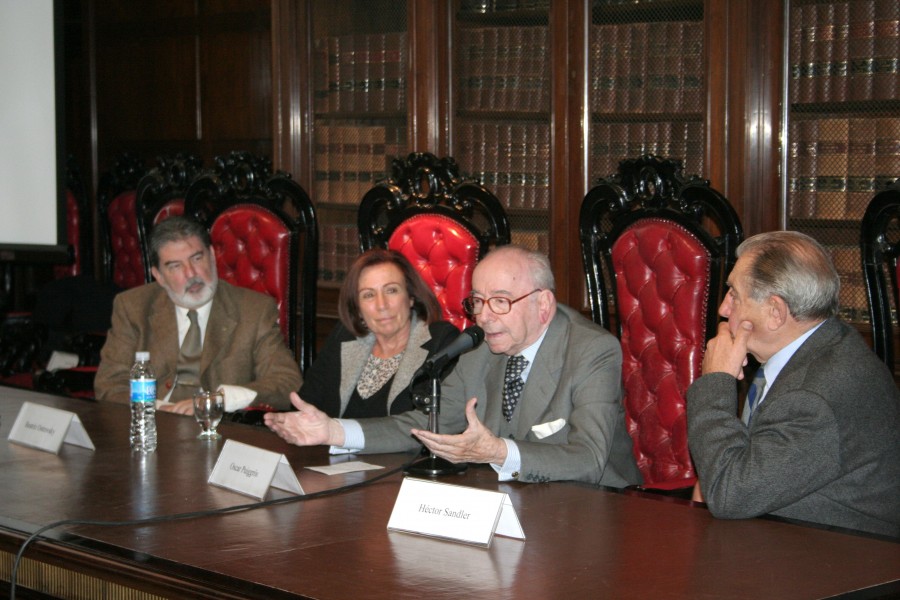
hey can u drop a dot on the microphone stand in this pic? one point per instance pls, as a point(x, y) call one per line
point(432, 465)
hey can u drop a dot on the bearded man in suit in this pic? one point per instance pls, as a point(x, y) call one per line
point(819, 436)
point(242, 349)
point(565, 421)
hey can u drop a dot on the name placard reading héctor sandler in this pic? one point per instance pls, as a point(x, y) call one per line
point(47, 428)
point(251, 471)
point(454, 512)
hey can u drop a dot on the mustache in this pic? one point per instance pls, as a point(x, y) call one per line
point(194, 281)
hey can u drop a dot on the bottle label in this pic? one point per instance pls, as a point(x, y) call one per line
point(143, 390)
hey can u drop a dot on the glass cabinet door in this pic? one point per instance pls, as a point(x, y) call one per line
point(359, 72)
point(501, 66)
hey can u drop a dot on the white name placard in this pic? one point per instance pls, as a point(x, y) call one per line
point(454, 512)
point(251, 471)
point(47, 428)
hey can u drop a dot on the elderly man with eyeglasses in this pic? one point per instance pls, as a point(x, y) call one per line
point(540, 401)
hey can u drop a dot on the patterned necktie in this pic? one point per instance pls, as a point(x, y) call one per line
point(188, 379)
point(513, 384)
point(757, 388)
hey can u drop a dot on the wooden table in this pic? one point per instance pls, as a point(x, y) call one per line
point(582, 542)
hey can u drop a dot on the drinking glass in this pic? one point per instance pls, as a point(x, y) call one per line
point(209, 406)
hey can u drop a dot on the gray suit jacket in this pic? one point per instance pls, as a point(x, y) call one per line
point(243, 344)
point(824, 446)
point(575, 381)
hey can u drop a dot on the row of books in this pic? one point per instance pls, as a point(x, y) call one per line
point(845, 51)
point(512, 160)
point(647, 67)
point(351, 157)
point(504, 69)
point(360, 73)
point(338, 248)
point(835, 165)
point(613, 142)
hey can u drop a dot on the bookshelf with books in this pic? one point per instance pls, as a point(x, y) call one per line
point(359, 95)
point(646, 83)
point(843, 124)
point(501, 69)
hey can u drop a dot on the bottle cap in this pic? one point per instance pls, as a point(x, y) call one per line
point(142, 356)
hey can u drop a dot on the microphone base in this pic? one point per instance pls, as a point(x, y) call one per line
point(434, 466)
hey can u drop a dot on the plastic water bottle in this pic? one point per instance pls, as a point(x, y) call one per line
point(143, 404)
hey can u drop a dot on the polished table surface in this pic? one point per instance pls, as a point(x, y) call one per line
point(581, 541)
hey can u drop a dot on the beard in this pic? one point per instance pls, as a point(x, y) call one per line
point(204, 292)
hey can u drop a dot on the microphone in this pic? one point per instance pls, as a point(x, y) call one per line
point(468, 339)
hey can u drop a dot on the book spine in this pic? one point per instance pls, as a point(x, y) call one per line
point(823, 51)
point(808, 16)
point(839, 67)
point(794, 52)
point(886, 50)
point(693, 74)
point(320, 75)
point(860, 166)
point(638, 63)
point(831, 178)
point(347, 70)
point(804, 205)
point(321, 149)
point(861, 48)
point(887, 151)
point(334, 74)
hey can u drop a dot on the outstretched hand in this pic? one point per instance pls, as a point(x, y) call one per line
point(475, 445)
point(726, 353)
point(307, 426)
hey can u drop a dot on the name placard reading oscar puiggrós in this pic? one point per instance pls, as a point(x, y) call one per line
point(251, 471)
point(453, 512)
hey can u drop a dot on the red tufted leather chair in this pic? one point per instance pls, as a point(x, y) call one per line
point(78, 226)
point(880, 249)
point(442, 224)
point(657, 250)
point(160, 195)
point(123, 259)
point(264, 233)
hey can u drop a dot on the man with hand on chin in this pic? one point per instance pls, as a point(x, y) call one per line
point(818, 438)
point(200, 332)
point(540, 400)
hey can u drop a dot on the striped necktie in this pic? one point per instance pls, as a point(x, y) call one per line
point(757, 389)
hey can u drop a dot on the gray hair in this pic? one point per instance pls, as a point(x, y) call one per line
point(797, 269)
point(538, 264)
point(175, 229)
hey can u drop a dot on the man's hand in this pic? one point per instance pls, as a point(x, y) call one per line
point(308, 426)
point(475, 445)
point(727, 354)
point(697, 495)
point(184, 407)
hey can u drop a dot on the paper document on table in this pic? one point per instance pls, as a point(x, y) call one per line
point(345, 467)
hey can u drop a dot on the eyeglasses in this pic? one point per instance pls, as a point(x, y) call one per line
point(499, 305)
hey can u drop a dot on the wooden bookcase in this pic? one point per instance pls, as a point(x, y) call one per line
point(843, 125)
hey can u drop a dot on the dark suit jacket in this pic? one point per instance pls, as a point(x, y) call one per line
point(331, 379)
point(824, 446)
point(243, 344)
point(575, 383)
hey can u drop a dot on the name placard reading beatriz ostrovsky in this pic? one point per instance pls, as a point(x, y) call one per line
point(251, 471)
point(454, 512)
point(47, 428)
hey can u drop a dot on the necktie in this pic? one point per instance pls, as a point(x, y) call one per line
point(188, 379)
point(513, 384)
point(757, 388)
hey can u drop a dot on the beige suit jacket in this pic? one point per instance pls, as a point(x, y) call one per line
point(243, 345)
